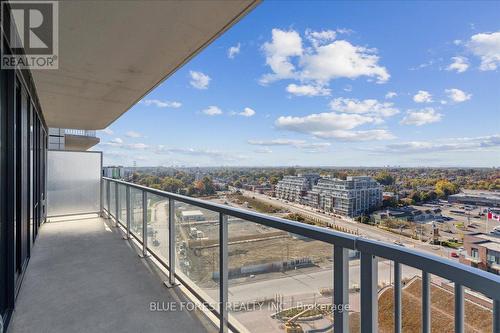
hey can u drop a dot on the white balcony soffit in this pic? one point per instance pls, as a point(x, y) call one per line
point(112, 53)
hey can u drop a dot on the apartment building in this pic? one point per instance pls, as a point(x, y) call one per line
point(84, 274)
point(351, 197)
point(294, 188)
point(482, 251)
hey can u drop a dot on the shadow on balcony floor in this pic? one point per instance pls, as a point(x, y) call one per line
point(82, 277)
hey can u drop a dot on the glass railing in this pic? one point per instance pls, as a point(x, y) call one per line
point(70, 131)
point(261, 273)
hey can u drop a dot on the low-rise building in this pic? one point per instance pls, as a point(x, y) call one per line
point(192, 215)
point(477, 198)
point(411, 214)
point(115, 172)
point(482, 251)
point(293, 188)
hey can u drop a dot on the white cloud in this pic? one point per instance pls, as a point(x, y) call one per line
point(247, 112)
point(421, 117)
point(233, 51)
point(212, 154)
point(307, 90)
point(341, 59)
point(390, 94)
point(199, 80)
point(212, 111)
point(119, 143)
point(442, 145)
point(310, 147)
point(133, 134)
point(333, 125)
point(487, 47)
point(367, 135)
point(276, 142)
point(370, 107)
point(422, 97)
point(263, 150)
point(326, 60)
point(138, 146)
point(284, 45)
point(457, 95)
point(459, 64)
point(161, 103)
point(318, 38)
point(107, 131)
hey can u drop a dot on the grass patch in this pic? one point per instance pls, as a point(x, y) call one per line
point(255, 204)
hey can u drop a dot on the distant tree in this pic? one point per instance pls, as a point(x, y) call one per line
point(384, 178)
point(274, 180)
point(444, 188)
point(415, 196)
point(291, 172)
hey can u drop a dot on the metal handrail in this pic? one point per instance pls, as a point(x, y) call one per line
point(462, 275)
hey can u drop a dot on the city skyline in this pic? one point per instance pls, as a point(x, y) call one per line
point(299, 85)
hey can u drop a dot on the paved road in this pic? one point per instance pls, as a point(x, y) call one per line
point(364, 230)
point(303, 282)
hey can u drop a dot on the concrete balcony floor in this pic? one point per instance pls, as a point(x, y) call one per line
point(83, 277)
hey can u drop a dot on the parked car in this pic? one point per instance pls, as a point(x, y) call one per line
point(454, 255)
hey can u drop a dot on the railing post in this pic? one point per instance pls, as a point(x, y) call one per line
point(340, 289)
point(171, 244)
point(117, 203)
point(496, 315)
point(108, 198)
point(223, 272)
point(128, 211)
point(369, 300)
point(426, 302)
point(144, 253)
point(459, 308)
point(397, 297)
point(101, 198)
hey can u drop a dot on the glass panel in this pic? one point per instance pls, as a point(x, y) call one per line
point(73, 182)
point(105, 194)
point(122, 194)
point(112, 199)
point(411, 294)
point(136, 212)
point(197, 249)
point(275, 275)
point(477, 309)
point(158, 226)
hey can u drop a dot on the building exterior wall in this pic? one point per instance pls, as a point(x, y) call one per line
point(293, 188)
point(351, 197)
point(485, 259)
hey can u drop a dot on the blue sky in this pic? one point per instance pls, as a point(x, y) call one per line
point(329, 84)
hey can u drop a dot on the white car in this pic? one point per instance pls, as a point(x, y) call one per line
point(496, 231)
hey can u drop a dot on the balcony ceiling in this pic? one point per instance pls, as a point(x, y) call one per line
point(112, 53)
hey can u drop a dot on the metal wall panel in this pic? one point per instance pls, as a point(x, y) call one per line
point(74, 182)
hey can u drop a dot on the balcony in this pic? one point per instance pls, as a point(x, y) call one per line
point(84, 278)
point(120, 269)
point(226, 257)
point(80, 140)
point(241, 271)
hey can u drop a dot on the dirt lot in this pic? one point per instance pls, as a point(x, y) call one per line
point(477, 318)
